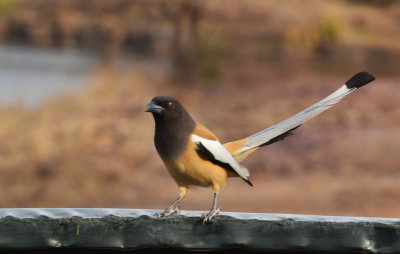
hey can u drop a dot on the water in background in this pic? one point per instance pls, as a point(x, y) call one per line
point(30, 74)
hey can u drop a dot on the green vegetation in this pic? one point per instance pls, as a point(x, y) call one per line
point(210, 51)
point(7, 7)
point(329, 30)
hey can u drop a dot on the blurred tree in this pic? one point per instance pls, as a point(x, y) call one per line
point(209, 52)
point(329, 30)
point(184, 16)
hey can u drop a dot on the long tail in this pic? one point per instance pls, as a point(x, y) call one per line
point(240, 149)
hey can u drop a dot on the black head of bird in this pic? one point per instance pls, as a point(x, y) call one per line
point(166, 109)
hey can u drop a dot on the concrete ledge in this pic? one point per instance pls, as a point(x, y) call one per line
point(130, 229)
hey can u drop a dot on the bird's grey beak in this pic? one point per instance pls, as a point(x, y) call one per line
point(154, 108)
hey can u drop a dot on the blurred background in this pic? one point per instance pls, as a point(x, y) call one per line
point(75, 77)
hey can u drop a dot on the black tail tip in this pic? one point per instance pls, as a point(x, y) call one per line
point(359, 80)
point(248, 182)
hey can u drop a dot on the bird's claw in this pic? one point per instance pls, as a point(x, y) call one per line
point(168, 211)
point(210, 215)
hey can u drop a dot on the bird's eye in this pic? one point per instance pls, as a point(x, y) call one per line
point(170, 104)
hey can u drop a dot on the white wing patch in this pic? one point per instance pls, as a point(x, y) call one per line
point(220, 154)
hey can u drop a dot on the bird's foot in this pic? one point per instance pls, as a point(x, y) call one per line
point(210, 215)
point(168, 211)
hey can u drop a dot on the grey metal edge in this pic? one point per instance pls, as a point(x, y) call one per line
point(33, 228)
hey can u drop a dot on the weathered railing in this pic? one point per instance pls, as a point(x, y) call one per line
point(58, 229)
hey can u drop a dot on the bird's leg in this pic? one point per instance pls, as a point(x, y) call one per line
point(172, 208)
point(214, 210)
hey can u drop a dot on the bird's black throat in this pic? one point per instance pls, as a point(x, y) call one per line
point(172, 133)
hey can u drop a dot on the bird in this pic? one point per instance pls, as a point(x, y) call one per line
point(194, 156)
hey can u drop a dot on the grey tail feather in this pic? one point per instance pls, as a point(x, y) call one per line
point(280, 137)
point(284, 128)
